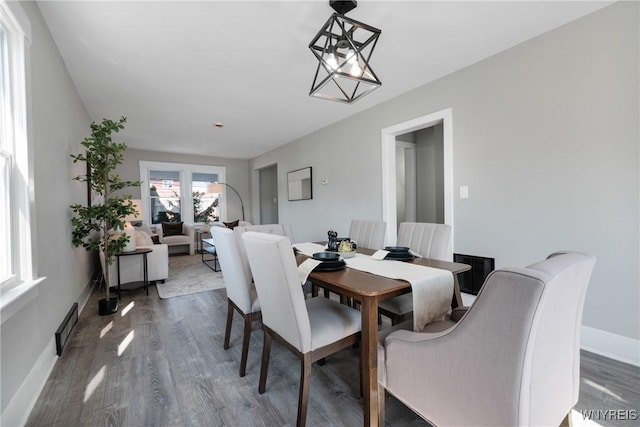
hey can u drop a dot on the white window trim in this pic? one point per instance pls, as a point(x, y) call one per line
point(186, 170)
point(22, 287)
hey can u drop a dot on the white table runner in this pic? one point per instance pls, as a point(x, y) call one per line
point(308, 248)
point(432, 288)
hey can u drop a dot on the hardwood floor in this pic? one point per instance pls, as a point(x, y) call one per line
point(161, 363)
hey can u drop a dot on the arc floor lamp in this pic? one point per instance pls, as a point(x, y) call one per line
point(218, 188)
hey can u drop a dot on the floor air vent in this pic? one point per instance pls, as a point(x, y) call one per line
point(64, 331)
point(471, 281)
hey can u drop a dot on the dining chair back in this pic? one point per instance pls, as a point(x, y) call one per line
point(241, 294)
point(427, 239)
point(367, 233)
point(513, 359)
point(277, 229)
point(311, 329)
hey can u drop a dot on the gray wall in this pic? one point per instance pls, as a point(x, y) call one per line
point(58, 123)
point(546, 136)
point(268, 182)
point(237, 174)
point(430, 174)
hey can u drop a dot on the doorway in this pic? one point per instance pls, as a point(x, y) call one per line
point(402, 202)
point(268, 194)
point(420, 175)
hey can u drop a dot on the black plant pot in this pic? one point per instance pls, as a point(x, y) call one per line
point(107, 307)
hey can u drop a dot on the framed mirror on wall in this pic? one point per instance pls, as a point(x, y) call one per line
point(299, 184)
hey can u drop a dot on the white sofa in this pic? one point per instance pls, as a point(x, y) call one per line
point(131, 267)
point(186, 239)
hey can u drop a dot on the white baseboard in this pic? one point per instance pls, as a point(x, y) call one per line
point(17, 411)
point(19, 408)
point(613, 346)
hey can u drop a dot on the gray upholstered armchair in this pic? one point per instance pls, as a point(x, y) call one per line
point(512, 360)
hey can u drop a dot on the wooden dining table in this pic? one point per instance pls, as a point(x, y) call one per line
point(369, 289)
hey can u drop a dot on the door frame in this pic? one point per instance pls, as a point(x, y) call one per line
point(388, 137)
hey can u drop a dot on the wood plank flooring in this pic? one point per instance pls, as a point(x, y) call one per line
point(161, 363)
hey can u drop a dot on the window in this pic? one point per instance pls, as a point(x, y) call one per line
point(164, 196)
point(206, 206)
point(15, 199)
point(179, 192)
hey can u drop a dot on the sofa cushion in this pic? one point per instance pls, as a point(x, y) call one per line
point(180, 239)
point(171, 228)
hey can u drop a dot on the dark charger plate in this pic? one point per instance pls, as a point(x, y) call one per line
point(397, 249)
point(407, 257)
point(326, 256)
point(330, 266)
point(398, 253)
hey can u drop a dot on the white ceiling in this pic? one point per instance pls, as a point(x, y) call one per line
point(175, 68)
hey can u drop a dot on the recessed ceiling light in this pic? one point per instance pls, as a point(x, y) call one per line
point(219, 125)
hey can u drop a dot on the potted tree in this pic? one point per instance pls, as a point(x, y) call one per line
point(100, 225)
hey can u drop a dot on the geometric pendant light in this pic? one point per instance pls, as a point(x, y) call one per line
point(343, 48)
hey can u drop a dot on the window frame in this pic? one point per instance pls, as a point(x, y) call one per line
point(185, 171)
point(15, 145)
point(17, 290)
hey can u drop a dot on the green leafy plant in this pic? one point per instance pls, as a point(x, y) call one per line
point(94, 225)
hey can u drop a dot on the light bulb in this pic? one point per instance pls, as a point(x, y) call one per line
point(356, 71)
point(331, 60)
point(351, 56)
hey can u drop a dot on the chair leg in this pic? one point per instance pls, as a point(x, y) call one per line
point(245, 344)
point(266, 350)
point(227, 333)
point(567, 422)
point(381, 400)
point(303, 398)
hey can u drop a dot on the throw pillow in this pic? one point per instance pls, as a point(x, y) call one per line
point(155, 239)
point(171, 228)
point(232, 224)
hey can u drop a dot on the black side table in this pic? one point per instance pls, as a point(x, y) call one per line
point(211, 250)
point(200, 234)
point(145, 281)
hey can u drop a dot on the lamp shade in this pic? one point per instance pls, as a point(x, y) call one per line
point(215, 188)
point(137, 204)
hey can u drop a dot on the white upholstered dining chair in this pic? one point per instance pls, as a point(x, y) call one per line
point(429, 241)
point(241, 293)
point(512, 360)
point(311, 329)
point(368, 234)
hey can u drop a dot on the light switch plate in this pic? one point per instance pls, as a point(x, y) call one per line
point(464, 192)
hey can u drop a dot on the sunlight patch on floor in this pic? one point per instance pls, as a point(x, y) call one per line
point(125, 343)
point(94, 383)
point(127, 309)
point(106, 329)
point(602, 389)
